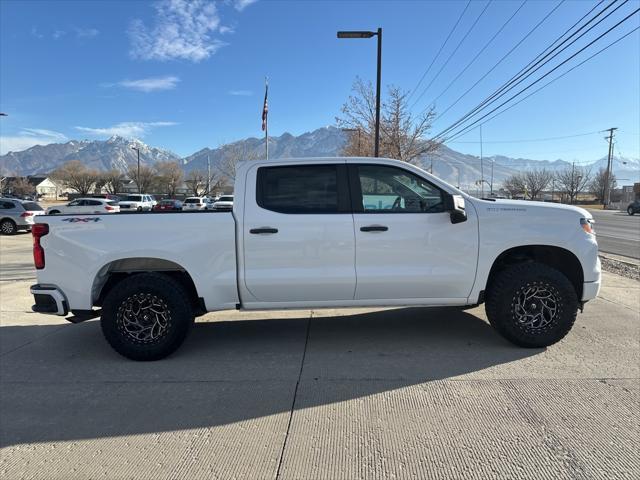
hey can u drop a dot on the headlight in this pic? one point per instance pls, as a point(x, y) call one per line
point(587, 225)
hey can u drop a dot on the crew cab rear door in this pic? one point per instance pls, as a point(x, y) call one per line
point(298, 236)
point(406, 245)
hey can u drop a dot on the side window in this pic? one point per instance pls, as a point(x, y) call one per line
point(394, 190)
point(300, 189)
point(7, 205)
point(75, 203)
point(93, 202)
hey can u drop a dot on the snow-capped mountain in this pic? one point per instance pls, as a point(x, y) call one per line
point(454, 167)
point(116, 152)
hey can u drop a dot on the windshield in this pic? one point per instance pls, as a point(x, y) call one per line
point(226, 198)
point(166, 202)
point(133, 198)
point(193, 200)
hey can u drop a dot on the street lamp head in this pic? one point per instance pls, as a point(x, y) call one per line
point(356, 34)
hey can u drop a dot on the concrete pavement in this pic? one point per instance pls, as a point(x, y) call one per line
point(617, 232)
point(353, 394)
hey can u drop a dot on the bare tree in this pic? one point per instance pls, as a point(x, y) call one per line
point(598, 184)
point(536, 181)
point(20, 186)
point(147, 176)
point(402, 135)
point(113, 181)
point(233, 153)
point(514, 185)
point(196, 181)
point(76, 176)
point(169, 177)
point(573, 180)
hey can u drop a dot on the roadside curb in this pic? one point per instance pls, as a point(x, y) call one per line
point(620, 258)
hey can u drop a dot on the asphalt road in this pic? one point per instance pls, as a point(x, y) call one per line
point(401, 393)
point(617, 232)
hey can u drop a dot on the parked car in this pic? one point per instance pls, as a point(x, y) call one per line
point(168, 205)
point(634, 207)
point(317, 233)
point(137, 202)
point(195, 203)
point(84, 206)
point(225, 202)
point(17, 215)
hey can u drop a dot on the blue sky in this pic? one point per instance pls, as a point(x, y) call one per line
point(185, 75)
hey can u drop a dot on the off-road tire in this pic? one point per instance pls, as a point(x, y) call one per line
point(504, 304)
point(8, 227)
point(170, 298)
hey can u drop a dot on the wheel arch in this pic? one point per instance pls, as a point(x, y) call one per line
point(555, 257)
point(115, 271)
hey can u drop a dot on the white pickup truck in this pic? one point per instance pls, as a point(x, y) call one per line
point(313, 233)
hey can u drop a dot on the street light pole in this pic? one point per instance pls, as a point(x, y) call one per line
point(367, 34)
point(138, 177)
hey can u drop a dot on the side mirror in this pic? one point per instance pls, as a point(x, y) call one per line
point(454, 204)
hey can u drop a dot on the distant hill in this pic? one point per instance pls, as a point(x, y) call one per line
point(454, 167)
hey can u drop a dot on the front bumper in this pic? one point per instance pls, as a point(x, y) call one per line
point(49, 299)
point(590, 290)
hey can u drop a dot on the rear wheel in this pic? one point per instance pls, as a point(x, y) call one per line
point(532, 305)
point(630, 211)
point(146, 316)
point(8, 227)
point(54, 212)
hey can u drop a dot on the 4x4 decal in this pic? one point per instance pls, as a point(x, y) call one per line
point(83, 220)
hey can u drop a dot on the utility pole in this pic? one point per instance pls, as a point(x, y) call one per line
point(481, 164)
point(606, 197)
point(208, 176)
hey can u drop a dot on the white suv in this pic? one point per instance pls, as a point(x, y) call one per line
point(138, 202)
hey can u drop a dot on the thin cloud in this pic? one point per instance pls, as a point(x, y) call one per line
point(182, 29)
point(240, 5)
point(125, 129)
point(29, 137)
point(86, 32)
point(241, 93)
point(36, 33)
point(58, 34)
point(151, 84)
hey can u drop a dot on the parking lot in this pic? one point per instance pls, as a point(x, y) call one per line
point(352, 394)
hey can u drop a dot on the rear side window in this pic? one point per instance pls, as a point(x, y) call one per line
point(93, 202)
point(32, 207)
point(7, 205)
point(299, 189)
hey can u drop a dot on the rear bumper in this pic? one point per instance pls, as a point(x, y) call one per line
point(49, 299)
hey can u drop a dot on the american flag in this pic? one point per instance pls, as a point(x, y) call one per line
point(265, 108)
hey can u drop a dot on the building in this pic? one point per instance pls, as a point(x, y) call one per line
point(41, 185)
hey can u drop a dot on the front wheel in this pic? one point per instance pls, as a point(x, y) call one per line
point(8, 227)
point(531, 305)
point(146, 316)
point(630, 211)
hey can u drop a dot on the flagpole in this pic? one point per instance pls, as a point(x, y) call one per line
point(266, 139)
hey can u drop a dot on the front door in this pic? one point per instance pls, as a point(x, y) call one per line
point(406, 245)
point(298, 234)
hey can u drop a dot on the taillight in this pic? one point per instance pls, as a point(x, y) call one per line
point(108, 208)
point(26, 214)
point(38, 231)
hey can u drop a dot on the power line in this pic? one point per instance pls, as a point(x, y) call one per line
point(544, 19)
point(535, 139)
point(532, 67)
point(439, 51)
point(480, 52)
point(453, 53)
point(466, 130)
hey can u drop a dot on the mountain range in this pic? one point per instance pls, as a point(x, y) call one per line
point(117, 152)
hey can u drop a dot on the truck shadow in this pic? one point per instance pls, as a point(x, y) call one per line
point(65, 383)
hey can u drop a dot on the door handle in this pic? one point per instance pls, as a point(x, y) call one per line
point(257, 231)
point(374, 228)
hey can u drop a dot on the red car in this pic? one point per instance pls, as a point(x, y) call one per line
point(168, 206)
